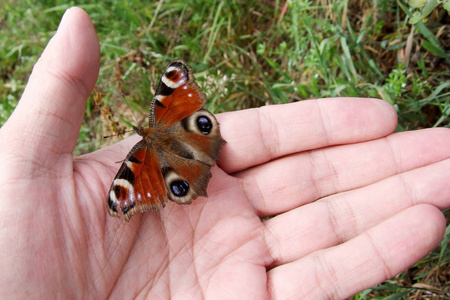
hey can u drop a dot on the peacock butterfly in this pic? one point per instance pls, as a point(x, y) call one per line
point(177, 150)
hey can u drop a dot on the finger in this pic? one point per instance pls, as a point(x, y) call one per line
point(372, 257)
point(277, 130)
point(305, 177)
point(48, 116)
point(341, 217)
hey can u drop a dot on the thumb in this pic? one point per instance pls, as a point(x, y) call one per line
point(46, 122)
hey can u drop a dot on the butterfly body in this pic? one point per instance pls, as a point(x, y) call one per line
point(177, 150)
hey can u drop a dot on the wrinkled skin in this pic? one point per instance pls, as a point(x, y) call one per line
point(355, 203)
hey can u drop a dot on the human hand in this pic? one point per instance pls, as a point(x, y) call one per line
point(354, 204)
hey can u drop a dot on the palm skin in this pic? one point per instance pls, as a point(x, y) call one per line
point(354, 203)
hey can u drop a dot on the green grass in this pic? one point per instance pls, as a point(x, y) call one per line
point(248, 54)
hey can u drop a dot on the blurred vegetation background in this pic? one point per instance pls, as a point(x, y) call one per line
point(252, 53)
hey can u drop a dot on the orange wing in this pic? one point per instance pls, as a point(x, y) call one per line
point(139, 184)
point(177, 96)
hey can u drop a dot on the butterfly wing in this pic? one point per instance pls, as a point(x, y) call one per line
point(139, 184)
point(177, 96)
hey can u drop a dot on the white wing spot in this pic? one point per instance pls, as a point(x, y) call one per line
point(171, 68)
point(149, 195)
point(113, 197)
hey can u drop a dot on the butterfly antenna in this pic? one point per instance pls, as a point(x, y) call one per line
point(129, 106)
point(117, 134)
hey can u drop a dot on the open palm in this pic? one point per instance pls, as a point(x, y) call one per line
point(353, 203)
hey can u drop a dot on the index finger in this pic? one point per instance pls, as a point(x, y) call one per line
point(256, 136)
